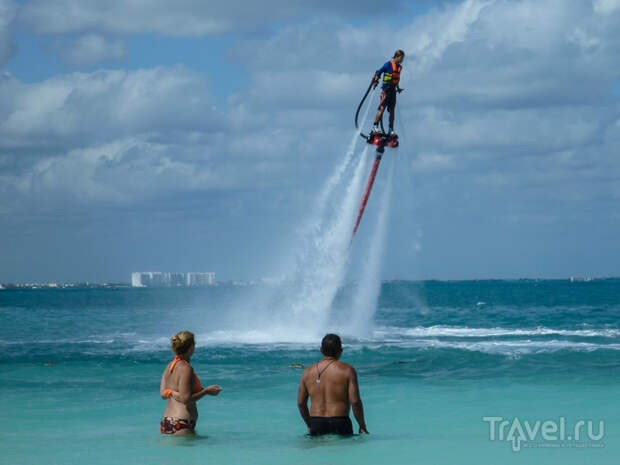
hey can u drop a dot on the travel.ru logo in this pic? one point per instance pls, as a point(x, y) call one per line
point(545, 433)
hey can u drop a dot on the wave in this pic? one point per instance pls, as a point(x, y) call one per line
point(511, 348)
point(498, 340)
point(59, 341)
point(464, 331)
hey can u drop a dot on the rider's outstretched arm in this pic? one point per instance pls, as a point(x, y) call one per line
point(384, 69)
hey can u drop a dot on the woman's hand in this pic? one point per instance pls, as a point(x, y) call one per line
point(167, 394)
point(213, 390)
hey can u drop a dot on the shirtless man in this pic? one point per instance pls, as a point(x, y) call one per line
point(332, 387)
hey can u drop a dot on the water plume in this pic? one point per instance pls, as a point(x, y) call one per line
point(369, 286)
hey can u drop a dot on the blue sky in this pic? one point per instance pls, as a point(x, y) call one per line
point(193, 135)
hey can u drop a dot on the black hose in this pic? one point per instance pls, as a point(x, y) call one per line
point(359, 107)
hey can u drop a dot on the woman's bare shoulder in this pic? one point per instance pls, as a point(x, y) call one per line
point(182, 368)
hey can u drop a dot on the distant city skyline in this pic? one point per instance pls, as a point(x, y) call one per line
point(263, 281)
point(172, 279)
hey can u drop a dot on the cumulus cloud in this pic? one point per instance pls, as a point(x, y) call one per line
point(484, 79)
point(90, 49)
point(506, 102)
point(125, 171)
point(606, 6)
point(509, 113)
point(181, 18)
point(428, 38)
point(84, 108)
point(329, 45)
point(479, 85)
point(8, 10)
point(474, 53)
point(123, 137)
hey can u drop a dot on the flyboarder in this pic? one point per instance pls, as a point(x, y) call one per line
point(391, 77)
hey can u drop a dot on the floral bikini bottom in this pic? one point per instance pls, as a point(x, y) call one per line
point(171, 425)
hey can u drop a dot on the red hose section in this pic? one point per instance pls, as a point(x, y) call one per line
point(371, 181)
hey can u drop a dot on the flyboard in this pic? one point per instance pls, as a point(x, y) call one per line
point(381, 140)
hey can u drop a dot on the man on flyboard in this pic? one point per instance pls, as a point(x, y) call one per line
point(391, 77)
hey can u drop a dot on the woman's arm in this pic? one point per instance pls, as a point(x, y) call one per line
point(163, 392)
point(212, 390)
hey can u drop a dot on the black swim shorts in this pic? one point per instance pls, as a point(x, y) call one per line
point(330, 425)
point(388, 98)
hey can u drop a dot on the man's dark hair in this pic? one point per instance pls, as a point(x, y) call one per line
point(398, 53)
point(331, 345)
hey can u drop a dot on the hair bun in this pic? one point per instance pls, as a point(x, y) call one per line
point(182, 342)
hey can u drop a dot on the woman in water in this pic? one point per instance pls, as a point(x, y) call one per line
point(182, 389)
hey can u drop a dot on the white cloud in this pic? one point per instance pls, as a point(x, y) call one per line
point(426, 162)
point(125, 136)
point(191, 18)
point(508, 116)
point(326, 64)
point(491, 86)
point(606, 6)
point(125, 171)
point(494, 133)
point(123, 17)
point(90, 49)
point(332, 46)
point(427, 39)
point(581, 37)
point(82, 108)
point(473, 54)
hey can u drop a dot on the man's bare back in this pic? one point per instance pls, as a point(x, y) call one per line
point(332, 388)
point(330, 397)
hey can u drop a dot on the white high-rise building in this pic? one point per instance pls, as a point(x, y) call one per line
point(163, 279)
point(200, 279)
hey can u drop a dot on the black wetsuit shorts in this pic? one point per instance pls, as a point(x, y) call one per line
point(330, 425)
point(388, 98)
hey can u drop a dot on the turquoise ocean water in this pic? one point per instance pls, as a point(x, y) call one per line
point(80, 372)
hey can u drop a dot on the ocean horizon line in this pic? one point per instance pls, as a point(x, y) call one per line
point(120, 285)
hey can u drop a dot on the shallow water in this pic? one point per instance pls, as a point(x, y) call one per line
point(440, 358)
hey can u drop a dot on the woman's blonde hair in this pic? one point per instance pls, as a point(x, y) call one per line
point(182, 342)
